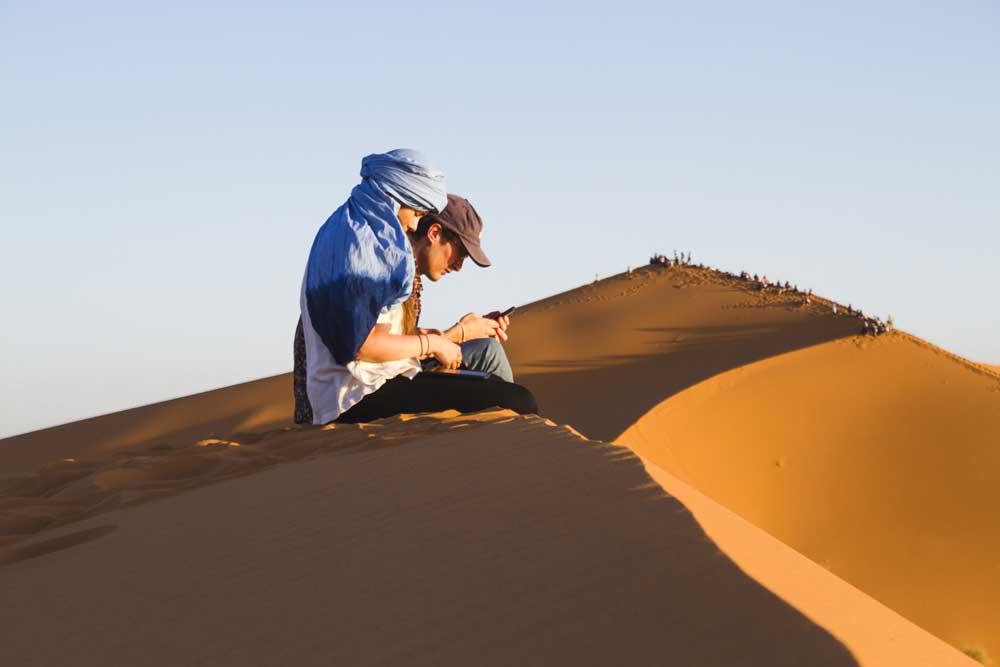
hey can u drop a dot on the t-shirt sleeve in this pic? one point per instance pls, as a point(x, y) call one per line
point(387, 316)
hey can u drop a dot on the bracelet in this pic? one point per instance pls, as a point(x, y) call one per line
point(420, 339)
point(462, 327)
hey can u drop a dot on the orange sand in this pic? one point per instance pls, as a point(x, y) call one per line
point(250, 406)
point(481, 540)
point(626, 345)
point(445, 551)
point(874, 458)
point(601, 356)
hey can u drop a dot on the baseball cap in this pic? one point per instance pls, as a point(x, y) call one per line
point(461, 218)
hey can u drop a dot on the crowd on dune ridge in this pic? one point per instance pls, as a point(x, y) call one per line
point(870, 325)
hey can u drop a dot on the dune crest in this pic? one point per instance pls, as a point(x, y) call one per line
point(626, 343)
point(876, 458)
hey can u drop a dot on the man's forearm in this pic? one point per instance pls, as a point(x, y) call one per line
point(454, 334)
point(382, 346)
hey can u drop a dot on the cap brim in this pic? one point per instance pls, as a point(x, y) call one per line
point(475, 252)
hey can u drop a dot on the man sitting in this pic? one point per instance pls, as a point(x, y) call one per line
point(440, 245)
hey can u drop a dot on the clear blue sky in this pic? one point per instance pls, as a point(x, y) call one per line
point(163, 168)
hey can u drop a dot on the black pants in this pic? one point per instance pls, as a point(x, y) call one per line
point(433, 392)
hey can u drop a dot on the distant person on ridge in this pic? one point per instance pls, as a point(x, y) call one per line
point(358, 358)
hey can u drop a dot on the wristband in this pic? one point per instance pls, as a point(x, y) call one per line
point(462, 327)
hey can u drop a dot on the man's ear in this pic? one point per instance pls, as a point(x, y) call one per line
point(434, 233)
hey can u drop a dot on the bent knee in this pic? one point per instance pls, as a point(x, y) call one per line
point(489, 355)
point(491, 348)
point(520, 399)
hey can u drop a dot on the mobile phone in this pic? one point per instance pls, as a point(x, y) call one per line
point(507, 312)
point(462, 372)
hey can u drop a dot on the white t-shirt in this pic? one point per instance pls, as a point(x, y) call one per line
point(333, 388)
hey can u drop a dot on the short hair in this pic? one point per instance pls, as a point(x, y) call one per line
point(425, 223)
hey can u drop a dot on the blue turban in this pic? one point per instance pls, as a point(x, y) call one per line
point(361, 262)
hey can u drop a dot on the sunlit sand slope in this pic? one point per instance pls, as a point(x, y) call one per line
point(877, 458)
point(601, 356)
point(487, 539)
point(249, 406)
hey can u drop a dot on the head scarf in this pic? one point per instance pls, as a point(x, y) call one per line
point(361, 262)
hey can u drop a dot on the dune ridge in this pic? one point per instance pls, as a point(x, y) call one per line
point(448, 539)
point(629, 341)
point(72, 490)
point(986, 369)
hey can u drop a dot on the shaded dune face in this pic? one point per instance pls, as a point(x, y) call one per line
point(877, 458)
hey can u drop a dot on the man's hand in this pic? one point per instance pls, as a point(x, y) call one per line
point(502, 322)
point(476, 327)
point(448, 354)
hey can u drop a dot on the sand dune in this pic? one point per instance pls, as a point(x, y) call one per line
point(487, 539)
point(626, 343)
point(615, 360)
point(690, 324)
point(250, 406)
point(875, 458)
point(641, 338)
point(919, 419)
